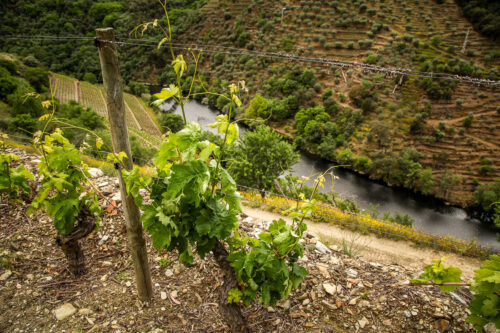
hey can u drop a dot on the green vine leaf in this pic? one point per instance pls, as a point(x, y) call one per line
point(439, 274)
point(485, 306)
point(179, 65)
point(63, 192)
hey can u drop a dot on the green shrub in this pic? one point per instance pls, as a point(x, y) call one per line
point(7, 86)
point(171, 122)
point(345, 157)
point(38, 78)
point(9, 65)
point(90, 77)
point(467, 122)
point(23, 123)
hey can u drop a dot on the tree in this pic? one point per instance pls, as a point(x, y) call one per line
point(90, 77)
point(258, 108)
point(260, 158)
point(425, 182)
point(7, 86)
point(448, 182)
point(381, 130)
point(486, 195)
point(171, 122)
point(38, 78)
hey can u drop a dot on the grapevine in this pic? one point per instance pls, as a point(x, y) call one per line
point(13, 181)
point(63, 194)
point(194, 204)
point(485, 306)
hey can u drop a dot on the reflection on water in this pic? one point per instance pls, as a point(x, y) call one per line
point(430, 214)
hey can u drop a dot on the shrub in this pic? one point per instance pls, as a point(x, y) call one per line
point(484, 170)
point(363, 163)
point(90, 77)
point(171, 122)
point(23, 123)
point(7, 86)
point(437, 134)
point(38, 78)
point(436, 41)
point(9, 65)
point(258, 108)
point(371, 59)
point(345, 157)
point(326, 94)
point(467, 122)
point(137, 88)
point(100, 10)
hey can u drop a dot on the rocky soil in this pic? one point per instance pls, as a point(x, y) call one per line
point(341, 294)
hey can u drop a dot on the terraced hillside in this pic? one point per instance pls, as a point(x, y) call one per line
point(140, 118)
point(428, 115)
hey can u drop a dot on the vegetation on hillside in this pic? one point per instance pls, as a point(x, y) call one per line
point(357, 118)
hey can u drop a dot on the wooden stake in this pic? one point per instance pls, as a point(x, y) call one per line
point(343, 75)
point(119, 135)
point(465, 41)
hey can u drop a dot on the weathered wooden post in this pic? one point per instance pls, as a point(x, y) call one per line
point(119, 134)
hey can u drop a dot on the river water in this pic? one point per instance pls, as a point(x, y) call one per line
point(431, 215)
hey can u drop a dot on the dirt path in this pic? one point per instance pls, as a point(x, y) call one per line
point(380, 250)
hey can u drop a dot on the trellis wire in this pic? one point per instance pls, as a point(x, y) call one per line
point(272, 55)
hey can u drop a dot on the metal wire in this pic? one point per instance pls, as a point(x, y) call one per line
point(325, 61)
point(29, 140)
point(207, 48)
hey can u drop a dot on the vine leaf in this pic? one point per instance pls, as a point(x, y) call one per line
point(179, 65)
point(167, 93)
point(439, 274)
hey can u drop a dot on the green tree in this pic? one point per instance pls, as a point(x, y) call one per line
point(90, 77)
point(258, 108)
point(486, 195)
point(38, 78)
point(345, 157)
point(425, 181)
point(381, 130)
point(171, 122)
point(260, 158)
point(448, 182)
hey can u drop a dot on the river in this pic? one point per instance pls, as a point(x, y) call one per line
point(431, 215)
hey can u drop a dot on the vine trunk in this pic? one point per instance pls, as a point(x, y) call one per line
point(70, 244)
point(231, 312)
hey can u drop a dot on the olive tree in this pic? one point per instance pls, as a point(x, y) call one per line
point(260, 158)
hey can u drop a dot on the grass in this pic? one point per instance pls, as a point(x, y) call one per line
point(351, 246)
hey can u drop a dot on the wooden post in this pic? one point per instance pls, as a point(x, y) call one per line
point(119, 135)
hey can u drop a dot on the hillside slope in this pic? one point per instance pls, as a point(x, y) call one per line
point(431, 135)
point(340, 294)
point(140, 118)
point(427, 115)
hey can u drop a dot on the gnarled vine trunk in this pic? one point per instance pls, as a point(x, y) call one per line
point(231, 312)
point(70, 244)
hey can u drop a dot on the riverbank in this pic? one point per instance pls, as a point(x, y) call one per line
point(432, 216)
point(365, 224)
